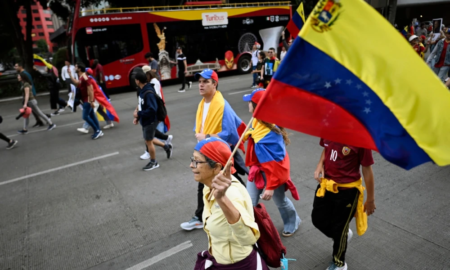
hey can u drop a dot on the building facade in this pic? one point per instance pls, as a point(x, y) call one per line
point(42, 24)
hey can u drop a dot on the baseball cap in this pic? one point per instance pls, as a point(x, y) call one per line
point(207, 74)
point(146, 68)
point(255, 96)
point(448, 31)
point(413, 37)
point(89, 71)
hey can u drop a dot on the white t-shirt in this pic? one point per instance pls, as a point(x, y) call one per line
point(282, 55)
point(255, 57)
point(157, 86)
point(205, 113)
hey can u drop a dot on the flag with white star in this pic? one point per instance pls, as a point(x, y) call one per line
point(351, 78)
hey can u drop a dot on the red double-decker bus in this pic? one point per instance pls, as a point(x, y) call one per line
point(216, 36)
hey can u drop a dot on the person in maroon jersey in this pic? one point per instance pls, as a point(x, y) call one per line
point(333, 211)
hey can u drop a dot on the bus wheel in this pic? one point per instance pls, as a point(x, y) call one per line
point(244, 64)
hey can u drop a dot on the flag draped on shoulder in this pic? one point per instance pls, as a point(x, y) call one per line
point(221, 120)
point(351, 78)
point(297, 21)
point(270, 152)
point(103, 100)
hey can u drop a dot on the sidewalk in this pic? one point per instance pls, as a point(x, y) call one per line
point(39, 95)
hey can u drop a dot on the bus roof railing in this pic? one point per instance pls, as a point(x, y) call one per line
point(180, 8)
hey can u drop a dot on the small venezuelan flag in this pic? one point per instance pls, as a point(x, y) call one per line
point(351, 78)
point(298, 20)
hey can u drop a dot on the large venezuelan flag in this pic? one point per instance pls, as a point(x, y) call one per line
point(297, 21)
point(103, 100)
point(270, 152)
point(221, 120)
point(353, 79)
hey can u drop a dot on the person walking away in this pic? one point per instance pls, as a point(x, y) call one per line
point(19, 68)
point(268, 160)
point(215, 118)
point(29, 100)
point(442, 54)
point(146, 115)
point(154, 66)
point(99, 76)
point(255, 58)
point(11, 143)
point(86, 86)
point(53, 86)
point(228, 217)
point(340, 195)
point(161, 139)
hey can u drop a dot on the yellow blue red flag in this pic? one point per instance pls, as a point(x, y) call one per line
point(297, 21)
point(351, 78)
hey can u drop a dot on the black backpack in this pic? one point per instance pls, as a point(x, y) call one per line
point(161, 112)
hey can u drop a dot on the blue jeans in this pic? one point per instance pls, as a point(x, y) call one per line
point(90, 117)
point(255, 76)
point(287, 210)
point(442, 72)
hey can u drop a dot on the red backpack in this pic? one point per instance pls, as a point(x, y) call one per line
point(269, 243)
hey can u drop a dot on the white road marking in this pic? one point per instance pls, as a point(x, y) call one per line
point(234, 93)
point(162, 256)
point(45, 129)
point(57, 168)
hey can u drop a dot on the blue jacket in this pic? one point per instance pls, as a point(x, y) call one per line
point(436, 53)
point(148, 106)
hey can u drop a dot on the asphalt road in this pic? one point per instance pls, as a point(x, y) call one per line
point(68, 202)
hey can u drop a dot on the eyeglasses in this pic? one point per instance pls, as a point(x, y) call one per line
point(196, 162)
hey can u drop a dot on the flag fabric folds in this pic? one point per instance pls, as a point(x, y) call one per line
point(351, 78)
point(39, 61)
point(270, 152)
point(101, 98)
point(221, 120)
point(297, 21)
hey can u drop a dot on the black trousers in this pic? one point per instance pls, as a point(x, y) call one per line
point(3, 137)
point(105, 90)
point(332, 214)
point(182, 77)
point(55, 100)
point(240, 167)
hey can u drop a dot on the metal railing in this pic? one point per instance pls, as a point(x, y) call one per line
point(180, 8)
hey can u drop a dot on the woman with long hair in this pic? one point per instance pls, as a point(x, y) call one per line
point(228, 217)
point(29, 100)
point(269, 166)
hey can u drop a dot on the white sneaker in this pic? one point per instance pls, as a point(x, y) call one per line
point(350, 235)
point(83, 130)
point(169, 139)
point(61, 110)
point(146, 155)
point(334, 267)
point(194, 223)
point(108, 126)
point(190, 84)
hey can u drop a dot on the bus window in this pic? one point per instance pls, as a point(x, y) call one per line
point(109, 43)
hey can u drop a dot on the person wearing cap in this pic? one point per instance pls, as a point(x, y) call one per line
point(228, 216)
point(417, 46)
point(255, 59)
point(99, 76)
point(442, 54)
point(145, 114)
point(161, 139)
point(269, 164)
point(29, 100)
point(153, 64)
point(215, 118)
